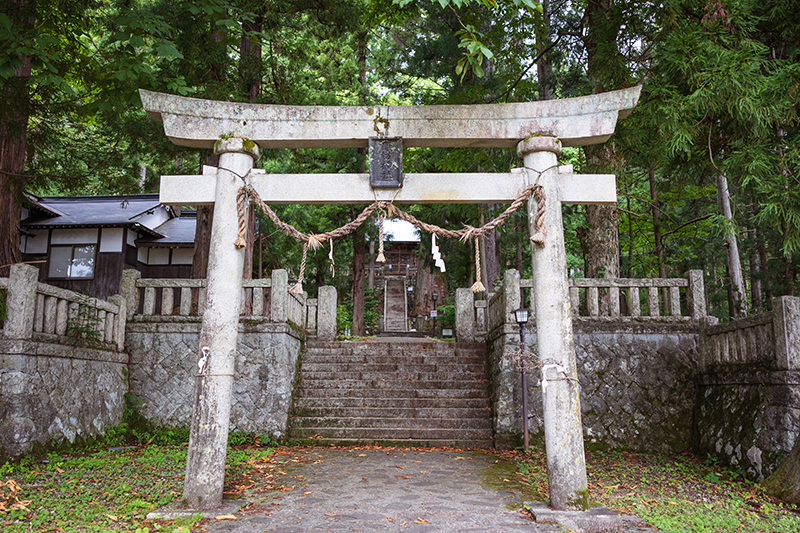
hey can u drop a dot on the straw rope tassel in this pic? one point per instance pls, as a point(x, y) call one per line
point(381, 258)
point(241, 203)
point(298, 287)
point(541, 202)
point(478, 286)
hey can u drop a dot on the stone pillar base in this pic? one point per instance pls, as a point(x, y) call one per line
point(595, 520)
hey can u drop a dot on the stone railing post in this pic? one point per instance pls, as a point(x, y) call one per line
point(279, 296)
point(21, 302)
point(465, 315)
point(511, 298)
point(786, 325)
point(122, 318)
point(326, 313)
point(129, 291)
point(696, 295)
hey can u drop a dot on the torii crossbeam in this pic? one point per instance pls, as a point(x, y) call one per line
point(539, 130)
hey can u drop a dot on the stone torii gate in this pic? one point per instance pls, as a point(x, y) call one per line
point(236, 131)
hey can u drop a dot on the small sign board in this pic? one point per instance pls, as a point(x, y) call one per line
point(434, 313)
point(386, 162)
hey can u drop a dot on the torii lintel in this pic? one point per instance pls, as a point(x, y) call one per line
point(576, 121)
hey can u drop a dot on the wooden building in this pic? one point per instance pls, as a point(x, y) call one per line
point(83, 243)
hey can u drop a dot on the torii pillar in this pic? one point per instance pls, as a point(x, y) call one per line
point(208, 440)
point(563, 428)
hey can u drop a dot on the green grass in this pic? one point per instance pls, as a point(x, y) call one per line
point(105, 490)
point(673, 493)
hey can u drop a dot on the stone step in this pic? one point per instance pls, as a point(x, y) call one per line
point(395, 376)
point(304, 402)
point(398, 366)
point(395, 347)
point(427, 414)
point(392, 360)
point(481, 384)
point(392, 423)
point(473, 444)
point(395, 393)
point(333, 393)
point(369, 433)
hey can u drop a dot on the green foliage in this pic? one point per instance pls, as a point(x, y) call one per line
point(84, 327)
point(673, 493)
point(344, 320)
point(3, 308)
point(446, 315)
point(103, 490)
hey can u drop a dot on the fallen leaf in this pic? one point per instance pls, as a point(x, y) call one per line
point(331, 514)
point(225, 517)
point(404, 523)
point(112, 517)
point(402, 467)
point(406, 476)
point(362, 455)
point(416, 461)
point(390, 520)
point(364, 478)
point(59, 470)
point(421, 521)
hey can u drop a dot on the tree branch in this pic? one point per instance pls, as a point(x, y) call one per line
point(683, 226)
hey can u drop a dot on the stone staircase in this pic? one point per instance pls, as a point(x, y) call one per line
point(395, 316)
point(395, 393)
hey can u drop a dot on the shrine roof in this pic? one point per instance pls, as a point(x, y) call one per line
point(88, 211)
point(177, 231)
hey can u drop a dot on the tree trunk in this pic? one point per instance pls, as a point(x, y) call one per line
point(784, 483)
point(371, 274)
point(202, 231)
point(736, 294)
point(250, 59)
point(600, 240)
point(359, 256)
point(657, 237)
point(14, 113)
point(359, 236)
point(518, 258)
point(543, 67)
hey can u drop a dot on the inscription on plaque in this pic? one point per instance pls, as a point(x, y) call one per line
point(386, 162)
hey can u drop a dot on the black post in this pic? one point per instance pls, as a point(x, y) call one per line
point(524, 387)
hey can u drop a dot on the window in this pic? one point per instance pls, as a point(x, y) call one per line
point(76, 261)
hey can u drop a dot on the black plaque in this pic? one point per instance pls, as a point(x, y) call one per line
point(386, 162)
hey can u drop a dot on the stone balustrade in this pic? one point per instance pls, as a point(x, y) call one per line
point(41, 312)
point(770, 340)
point(264, 300)
point(594, 299)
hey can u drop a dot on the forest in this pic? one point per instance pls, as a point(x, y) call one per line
point(707, 165)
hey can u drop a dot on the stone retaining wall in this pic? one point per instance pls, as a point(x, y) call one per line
point(748, 401)
point(750, 418)
point(163, 362)
point(52, 392)
point(636, 380)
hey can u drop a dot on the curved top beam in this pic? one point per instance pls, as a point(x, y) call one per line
point(576, 121)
